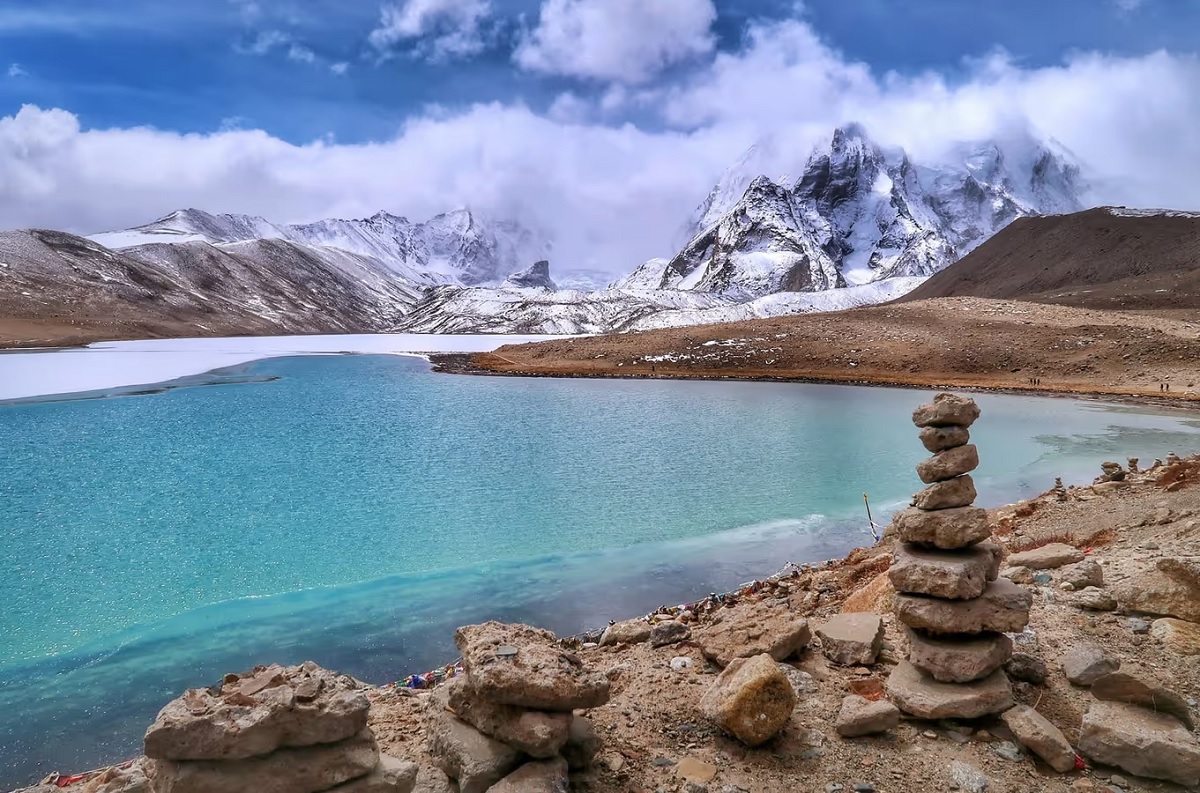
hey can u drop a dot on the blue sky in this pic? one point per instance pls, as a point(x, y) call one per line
point(601, 123)
point(269, 64)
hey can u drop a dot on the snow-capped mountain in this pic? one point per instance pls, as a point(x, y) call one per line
point(859, 213)
point(456, 247)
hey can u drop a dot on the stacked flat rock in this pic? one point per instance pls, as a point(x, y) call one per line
point(300, 729)
point(508, 724)
point(945, 570)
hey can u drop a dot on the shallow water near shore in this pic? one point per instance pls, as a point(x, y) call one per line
point(355, 509)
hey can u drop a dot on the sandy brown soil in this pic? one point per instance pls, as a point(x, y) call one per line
point(653, 720)
point(959, 342)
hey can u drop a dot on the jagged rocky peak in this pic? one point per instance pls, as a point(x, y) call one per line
point(860, 212)
point(535, 276)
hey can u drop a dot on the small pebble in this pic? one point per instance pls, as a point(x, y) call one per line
point(1138, 625)
point(930, 734)
point(680, 662)
point(1008, 750)
point(864, 787)
point(833, 787)
point(662, 762)
point(1119, 780)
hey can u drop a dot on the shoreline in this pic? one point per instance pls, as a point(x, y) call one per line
point(467, 364)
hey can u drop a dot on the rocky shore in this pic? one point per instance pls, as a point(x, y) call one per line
point(1051, 646)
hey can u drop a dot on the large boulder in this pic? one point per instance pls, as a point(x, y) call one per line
point(949, 529)
point(1002, 608)
point(957, 492)
point(308, 769)
point(860, 716)
point(467, 756)
point(1083, 664)
point(946, 410)
point(1140, 742)
point(938, 439)
point(753, 629)
point(525, 666)
point(1082, 574)
point(545, 776)
point(1035, 732)
point(1169, 589)
point(1047, 557)
point(853, 639)
point(537, 733)
point(920, 695)
point(669, 632)
point(1134, 685)
point(257, 712)
point(627, 632)
point(392, 775)
point(751, 699)
point(954, 575)
point(948, 464)
point(958, 660)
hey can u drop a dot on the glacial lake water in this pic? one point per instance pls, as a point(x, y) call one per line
point(354, 509)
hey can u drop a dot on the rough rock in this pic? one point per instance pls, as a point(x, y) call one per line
point(920, 695)
point(525, 666)
point(949, 529)
point(1082, 574)
point(539, 734)
point(583, 744)
point(956, 660)
point(307, 769)
point(1134, 685)
point(753, 630)
point(967, 778)
point(1003, 608)
point(802, 682)
point(1018, 575)
point(860, 716)
point(1084, 663)
point(669, 632)
point(467, 756)
point(1170, 589)
point(257, 712)
point(751, 699)
point(955, 575)
point(434, 780)
point(852, 639)
point(1027, 668)
point(946, 410)
point(1048, 557)
point(1093, 599)
point(948, 464)
point(1140, 742)
point(627, 632)
point(938, 439)
point(957, 492)
point(695, 771)
point(1038, 735)
point(391, 775)
point(1180, 636)
point(544, 776)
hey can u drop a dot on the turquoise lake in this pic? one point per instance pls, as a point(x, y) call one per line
point(354, 509)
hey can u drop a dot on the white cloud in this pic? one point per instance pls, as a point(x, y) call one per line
point(340, 68)
point(629, 41)
point(1129, 6)
point(615, 194)
point(439, 30)
point(267, 40)
point(16, 70)
point(300, 53)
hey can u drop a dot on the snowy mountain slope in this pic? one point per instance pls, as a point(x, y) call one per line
point(456, 247)
point(858, 213)
point(194, 288)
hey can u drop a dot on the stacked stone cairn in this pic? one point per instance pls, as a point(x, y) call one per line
point(509, 724)
point(945, 570)
point(275, 729)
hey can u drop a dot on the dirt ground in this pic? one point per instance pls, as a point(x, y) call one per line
point(959, 342)
point(653, 722)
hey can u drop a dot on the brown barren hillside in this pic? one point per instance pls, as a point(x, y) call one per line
point(1095, 259)
point(962, 342)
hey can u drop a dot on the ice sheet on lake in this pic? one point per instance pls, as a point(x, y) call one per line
point(129, 363)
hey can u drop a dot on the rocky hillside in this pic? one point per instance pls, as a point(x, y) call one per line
point(857, 212)
point(1109, 257)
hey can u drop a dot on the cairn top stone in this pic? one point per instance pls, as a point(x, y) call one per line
point(256, 712)
point(541, 675)
point(947, 410)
